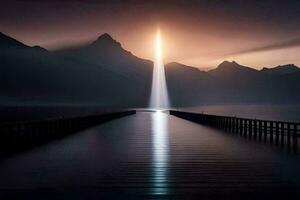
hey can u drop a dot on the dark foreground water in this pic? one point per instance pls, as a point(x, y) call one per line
point(151, 155)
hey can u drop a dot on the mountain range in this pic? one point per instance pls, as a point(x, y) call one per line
point(103, 73)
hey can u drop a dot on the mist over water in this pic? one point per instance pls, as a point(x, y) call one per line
point(159, 92)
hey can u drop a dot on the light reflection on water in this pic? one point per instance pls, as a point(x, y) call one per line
point(160, 153)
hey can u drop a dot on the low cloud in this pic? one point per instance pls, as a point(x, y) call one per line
point(275, 46)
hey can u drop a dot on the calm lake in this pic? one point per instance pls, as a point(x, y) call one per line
point(150, 155)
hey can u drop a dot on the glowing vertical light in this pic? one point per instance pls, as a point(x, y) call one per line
point(159, 93)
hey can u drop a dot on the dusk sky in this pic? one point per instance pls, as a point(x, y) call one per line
point(198, 33)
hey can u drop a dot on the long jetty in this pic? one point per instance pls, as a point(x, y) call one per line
point(22, 134)
point(283, 134)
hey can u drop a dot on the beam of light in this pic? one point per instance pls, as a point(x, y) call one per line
point(160, 153)
point(159, 93)
point(275, 46)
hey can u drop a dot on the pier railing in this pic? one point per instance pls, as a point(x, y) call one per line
point(20, 134)
point(284, 134)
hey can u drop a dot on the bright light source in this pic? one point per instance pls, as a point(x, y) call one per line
point(159, 93)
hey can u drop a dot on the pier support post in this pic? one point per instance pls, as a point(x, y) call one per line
point(250, 129)
point(289, 136)
point(282, 132)
point(277, 133)
point(271, 132)
point(259, 130)
point(265, 131)
point(241, 127)
point(237, 122)
point(245, 127)
point(255, 129)
point(295, 139)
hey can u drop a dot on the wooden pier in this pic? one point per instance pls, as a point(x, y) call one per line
point(23, 134)
point(283, 134)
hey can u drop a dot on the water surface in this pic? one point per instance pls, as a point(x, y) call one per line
point(150, 155)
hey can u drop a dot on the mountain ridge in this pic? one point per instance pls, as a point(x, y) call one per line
point(106, 38)
point(103, 72)
point(7, 41)
point(33, 74)
point(104, 51)
point(281, 69)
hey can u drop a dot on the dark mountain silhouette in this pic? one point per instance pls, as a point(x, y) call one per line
point(229, 70)
point(233, 66)
point(8, 42)
point(229, 83)
point(281, 69)
point(34, 75)
point(109, 54)
point(186, 84)
point(104, 73)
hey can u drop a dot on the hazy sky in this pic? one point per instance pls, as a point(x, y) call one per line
point(199, 33)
